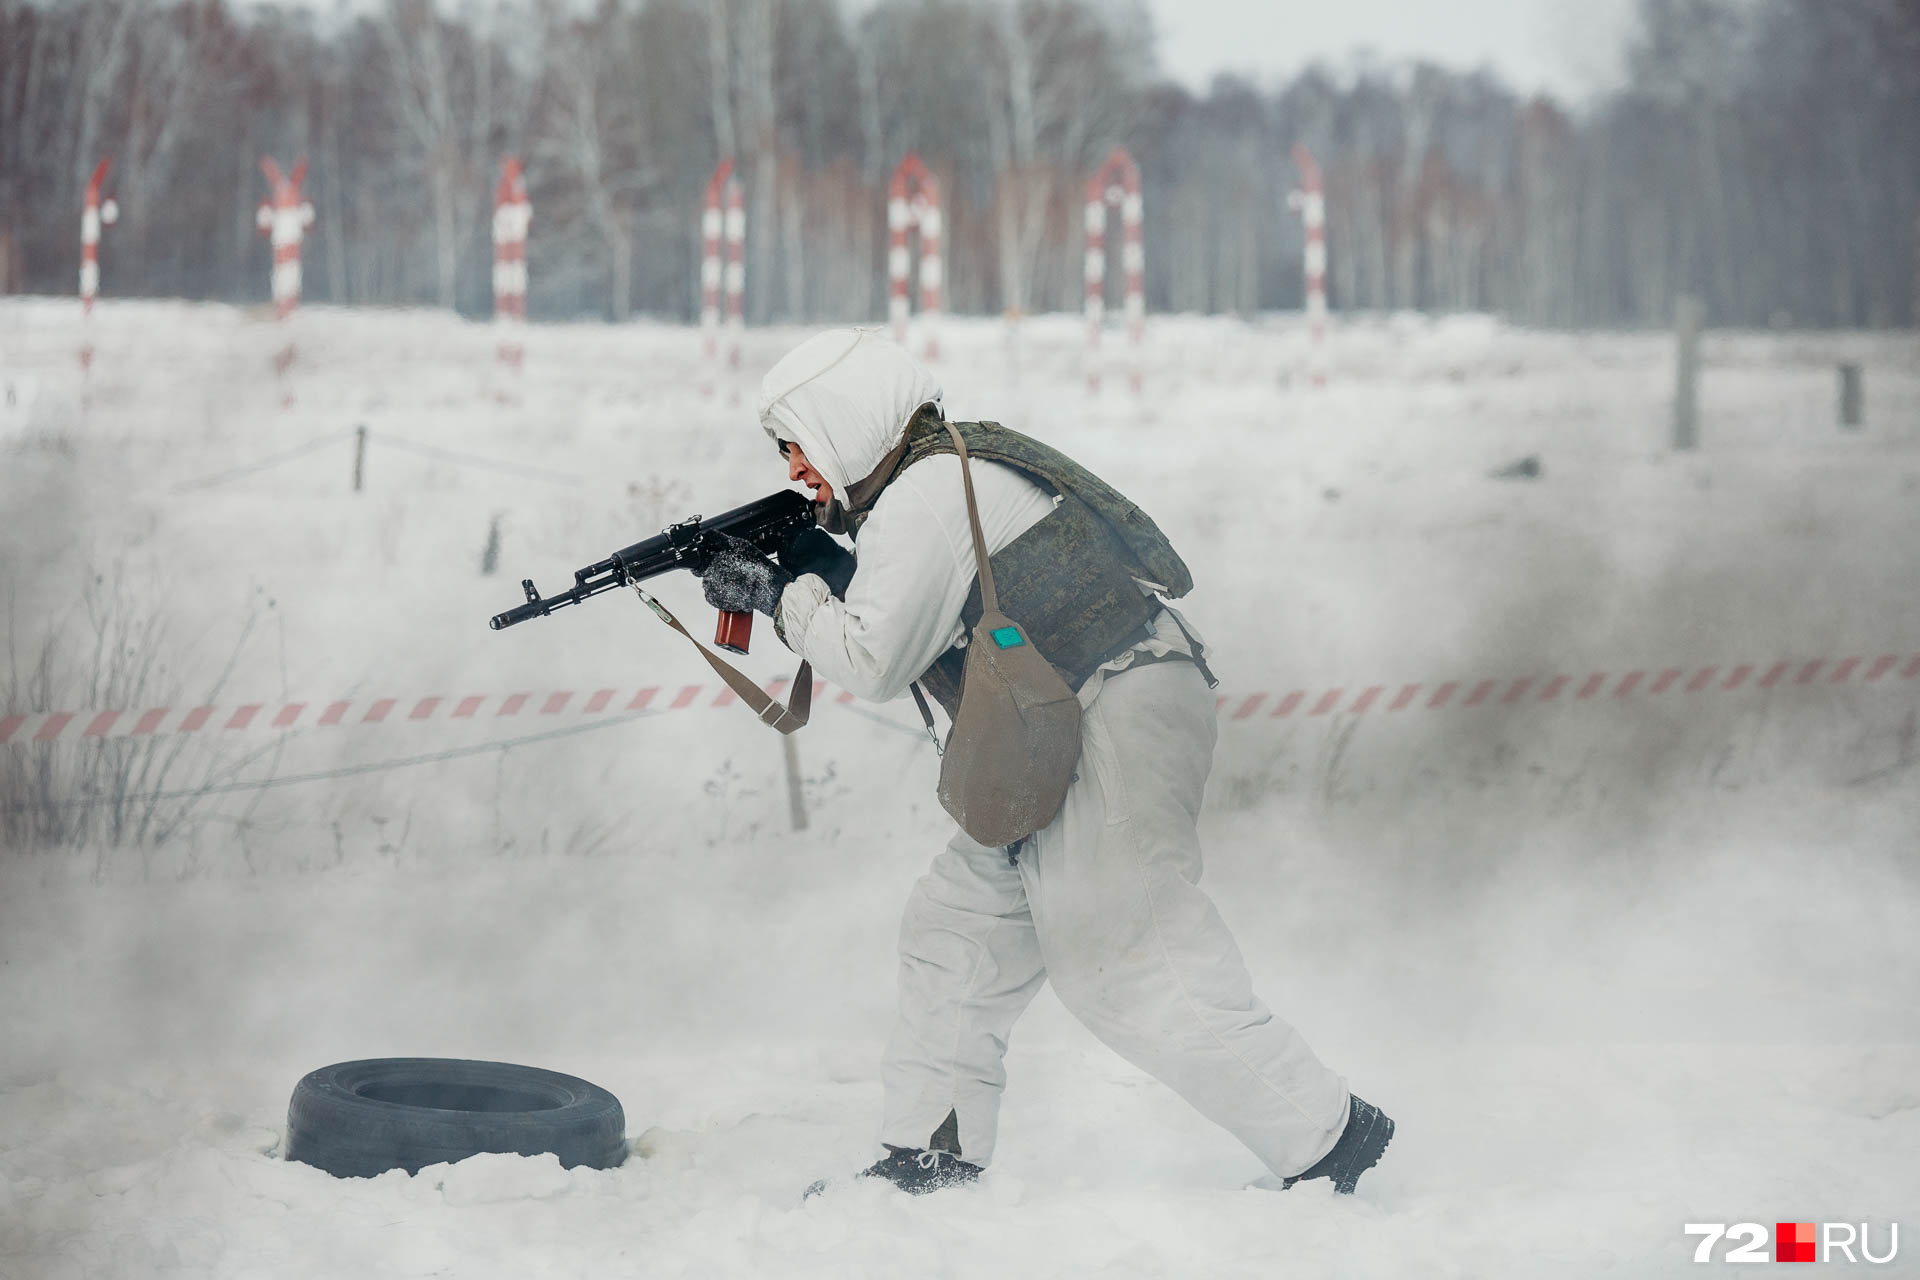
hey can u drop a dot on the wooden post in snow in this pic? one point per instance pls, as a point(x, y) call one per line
point(1688, 314)
point(796, 792)
point(1913, 315)
point(1852, 397)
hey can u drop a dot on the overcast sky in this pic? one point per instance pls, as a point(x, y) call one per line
point(1571, 47)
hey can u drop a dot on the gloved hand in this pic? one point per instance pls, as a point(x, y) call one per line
point(739, 579)
point(815, 552)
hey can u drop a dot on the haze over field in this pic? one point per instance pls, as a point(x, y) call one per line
point(1615, 963)
point(1565, 791)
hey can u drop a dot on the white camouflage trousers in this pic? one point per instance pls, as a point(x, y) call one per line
point(1104, 901)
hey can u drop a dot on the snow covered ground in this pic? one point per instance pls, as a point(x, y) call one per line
point(1615, 964)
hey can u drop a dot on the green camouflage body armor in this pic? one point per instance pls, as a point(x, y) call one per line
point(1070, 579)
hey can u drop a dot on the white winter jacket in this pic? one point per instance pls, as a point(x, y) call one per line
point(845, 397)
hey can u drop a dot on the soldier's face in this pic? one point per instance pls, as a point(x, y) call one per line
point(798, 468)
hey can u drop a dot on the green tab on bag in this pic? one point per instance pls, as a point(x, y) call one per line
point(1008, 637)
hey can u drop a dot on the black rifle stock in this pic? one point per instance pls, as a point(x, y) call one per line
point(770, 524)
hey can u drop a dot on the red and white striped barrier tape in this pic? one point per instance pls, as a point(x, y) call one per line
point(1599, 684)
point(50, 726)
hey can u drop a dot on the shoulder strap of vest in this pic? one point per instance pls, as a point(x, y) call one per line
point(861, 494)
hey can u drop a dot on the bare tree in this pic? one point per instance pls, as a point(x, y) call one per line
point(592, 136)
point(102, 50)
point(433, 103)
point(755, 78)
point(1066, 84)
point(720, 77)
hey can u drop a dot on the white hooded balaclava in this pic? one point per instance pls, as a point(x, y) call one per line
point(845, 397)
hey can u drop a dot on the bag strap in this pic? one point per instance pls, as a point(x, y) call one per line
point(926, 715)
point(787, 718)
point(989, 599)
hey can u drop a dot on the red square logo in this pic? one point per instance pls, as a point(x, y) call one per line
point(1793, 1242)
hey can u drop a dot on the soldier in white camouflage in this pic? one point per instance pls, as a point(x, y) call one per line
point(1105, 900)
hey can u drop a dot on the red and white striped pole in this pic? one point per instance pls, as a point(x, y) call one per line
point(1117, 183)
point(95, 215)
point(284, 221)
point(736, 270)
point(1312, 206)
point(723, 236)
point(512, 214)
point(913, 200)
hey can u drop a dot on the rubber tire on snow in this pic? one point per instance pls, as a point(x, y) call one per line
point(359, 1119)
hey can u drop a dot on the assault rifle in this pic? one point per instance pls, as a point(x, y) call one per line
point(771, 524)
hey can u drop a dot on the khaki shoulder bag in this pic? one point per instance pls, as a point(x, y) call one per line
point(1015, 741)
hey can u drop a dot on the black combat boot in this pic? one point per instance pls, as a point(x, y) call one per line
point(917, 1172)
point(1367, 1134)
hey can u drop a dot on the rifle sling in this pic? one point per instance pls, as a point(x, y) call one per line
point(785, 719)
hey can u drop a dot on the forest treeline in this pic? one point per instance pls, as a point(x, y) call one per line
point(1762, 154)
